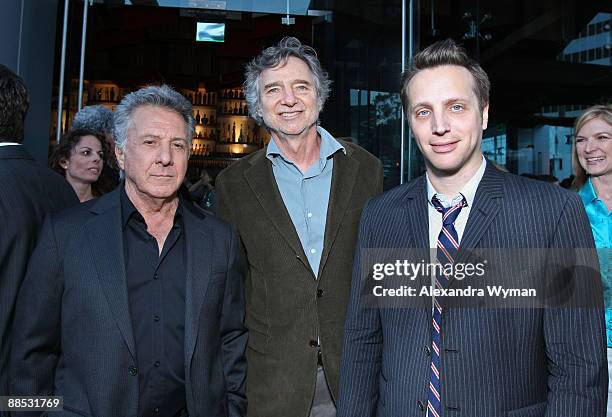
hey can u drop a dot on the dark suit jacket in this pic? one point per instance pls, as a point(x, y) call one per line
point(75, 336)
point(28, 192)
point(287, 307)
point(496, 362)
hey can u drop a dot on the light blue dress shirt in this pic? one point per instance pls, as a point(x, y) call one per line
point(601, 225)
point(306, 195)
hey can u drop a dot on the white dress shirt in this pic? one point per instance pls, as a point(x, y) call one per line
point(435, 217)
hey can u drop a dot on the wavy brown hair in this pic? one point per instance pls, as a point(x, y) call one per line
point(66, 146)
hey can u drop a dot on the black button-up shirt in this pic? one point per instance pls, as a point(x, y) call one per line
point(156, 292)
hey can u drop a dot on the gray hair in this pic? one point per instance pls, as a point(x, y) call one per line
point(162, 96)
point(97, 119)
point(272, 57)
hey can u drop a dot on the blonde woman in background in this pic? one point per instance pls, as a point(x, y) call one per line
point(592, 164)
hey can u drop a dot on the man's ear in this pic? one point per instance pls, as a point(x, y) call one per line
point(120, 155)
point(485, 117)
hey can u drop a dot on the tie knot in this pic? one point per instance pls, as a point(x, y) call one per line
point(449, 214)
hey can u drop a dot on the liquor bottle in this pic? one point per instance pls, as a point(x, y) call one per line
point(205, 135)
point(197, 117)
point(234, 133)
point(240, 136)
point(229, 133)
point(204, 120)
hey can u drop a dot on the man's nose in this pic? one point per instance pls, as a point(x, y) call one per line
point(164, 155)
point(440, 123)
point(288, 97)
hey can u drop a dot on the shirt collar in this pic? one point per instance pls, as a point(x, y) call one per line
point(128, 209)
point(587, 192)
point(9, 144)
point(468, 191)
point(329, 146)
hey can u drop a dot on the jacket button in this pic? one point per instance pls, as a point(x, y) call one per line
point(133, 370)
point(421, 405)
point(427, 350)
point(313, 343)
point(320, 293)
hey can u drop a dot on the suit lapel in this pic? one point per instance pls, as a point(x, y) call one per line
point(417, 214)
point(198, 254)
point(343, 180)
point(487, 203)
point(261, 180)
point(106, 241)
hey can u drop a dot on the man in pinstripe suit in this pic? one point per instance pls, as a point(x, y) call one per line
point(430, 359)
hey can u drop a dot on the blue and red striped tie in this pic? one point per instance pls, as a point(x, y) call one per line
point(448, 245)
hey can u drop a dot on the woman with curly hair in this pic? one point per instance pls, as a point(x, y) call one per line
point(79, 157)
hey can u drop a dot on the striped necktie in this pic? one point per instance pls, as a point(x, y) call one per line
point(448, 245)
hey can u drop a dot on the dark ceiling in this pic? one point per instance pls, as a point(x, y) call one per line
point(519, 46)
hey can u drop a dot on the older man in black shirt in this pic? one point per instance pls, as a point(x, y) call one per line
point(133, 304)
point(156, 293)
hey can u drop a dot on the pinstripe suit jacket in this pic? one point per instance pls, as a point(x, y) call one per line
point(495, 362)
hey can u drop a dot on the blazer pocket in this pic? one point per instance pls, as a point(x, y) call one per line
point(536, 410)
